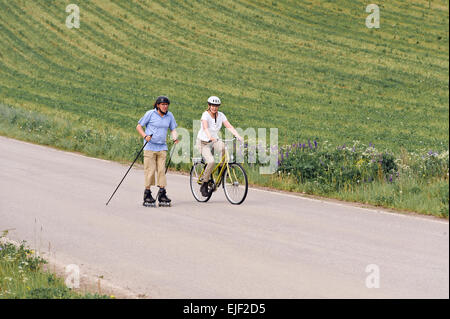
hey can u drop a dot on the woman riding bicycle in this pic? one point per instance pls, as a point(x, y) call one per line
point(208, 138)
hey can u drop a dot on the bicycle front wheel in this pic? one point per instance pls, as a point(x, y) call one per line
point(235, 184)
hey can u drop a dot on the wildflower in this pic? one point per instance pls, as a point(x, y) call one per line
point(360, 162)
point(315, 144)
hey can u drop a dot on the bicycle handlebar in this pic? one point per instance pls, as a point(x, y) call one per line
point(219, 139)
point(232, 140)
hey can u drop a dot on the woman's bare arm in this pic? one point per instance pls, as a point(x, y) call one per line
point(228, 125)
point(205, 128)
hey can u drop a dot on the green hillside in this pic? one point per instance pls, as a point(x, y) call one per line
point(311, 68)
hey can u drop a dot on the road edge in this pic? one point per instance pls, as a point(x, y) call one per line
point(88, 283)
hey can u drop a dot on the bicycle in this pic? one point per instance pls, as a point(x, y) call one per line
point(230, 174)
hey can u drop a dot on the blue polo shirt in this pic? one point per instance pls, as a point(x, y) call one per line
point(157, 125)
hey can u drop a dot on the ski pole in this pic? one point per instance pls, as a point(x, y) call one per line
point(170, 157)
point(127, 172)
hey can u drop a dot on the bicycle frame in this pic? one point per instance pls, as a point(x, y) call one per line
point(224, 163)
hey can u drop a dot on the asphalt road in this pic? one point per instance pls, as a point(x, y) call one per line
point(272, 246)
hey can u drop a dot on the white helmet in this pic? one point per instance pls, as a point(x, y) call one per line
point(214, 100)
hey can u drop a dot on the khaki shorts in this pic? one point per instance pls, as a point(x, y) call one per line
point(155, 164)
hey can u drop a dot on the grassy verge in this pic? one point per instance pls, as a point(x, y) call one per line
point(408, 181)
point(22, 276)
point(67, 134)
point(407, 194)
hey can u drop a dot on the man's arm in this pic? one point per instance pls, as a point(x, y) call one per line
point(140, 130)
point(174, 135)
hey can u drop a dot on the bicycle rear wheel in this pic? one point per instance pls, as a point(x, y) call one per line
point(196, 170)
point(235, 184)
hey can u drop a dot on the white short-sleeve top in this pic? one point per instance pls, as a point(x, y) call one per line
point(214, 125)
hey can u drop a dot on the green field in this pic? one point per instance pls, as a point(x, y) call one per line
point(311, 68)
